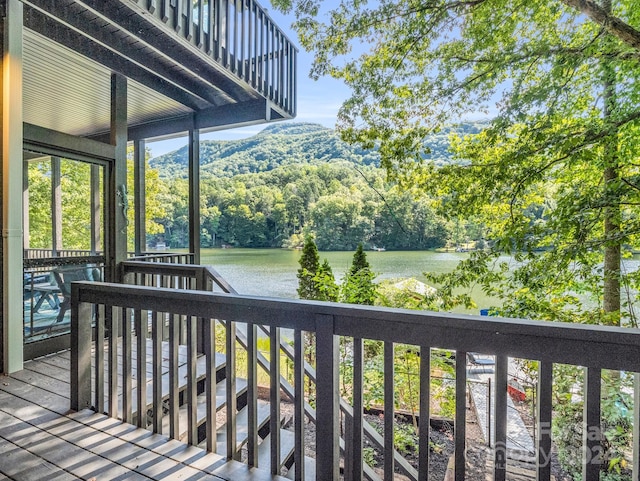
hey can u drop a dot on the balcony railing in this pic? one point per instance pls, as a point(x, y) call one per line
point(240, 36)
point(147, 311)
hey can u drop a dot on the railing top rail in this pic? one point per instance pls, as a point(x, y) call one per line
point(167, 268)
point(185, 270)
point(64, 260)
point(219, 280)
point(595, 346)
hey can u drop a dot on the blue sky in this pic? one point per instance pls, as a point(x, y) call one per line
point(318, 101)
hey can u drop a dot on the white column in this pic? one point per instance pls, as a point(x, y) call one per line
point(12, 168)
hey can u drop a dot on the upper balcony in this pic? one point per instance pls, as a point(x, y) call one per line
point(201, 64)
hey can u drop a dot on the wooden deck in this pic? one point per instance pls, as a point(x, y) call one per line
point(40, 438)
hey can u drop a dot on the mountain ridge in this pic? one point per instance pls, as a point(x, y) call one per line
point(281, 144)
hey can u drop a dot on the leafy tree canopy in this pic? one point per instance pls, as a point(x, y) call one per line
point(554, 175)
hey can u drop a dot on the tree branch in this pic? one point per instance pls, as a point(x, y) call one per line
point(625, 32)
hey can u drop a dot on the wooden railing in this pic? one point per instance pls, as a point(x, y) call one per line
point(164, 257)
point(594, 347)
point(206, 278)
point(44, 259)
point(240, 36)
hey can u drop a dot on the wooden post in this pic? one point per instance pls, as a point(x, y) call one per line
point(95, 208)
point(460, 433)
point(327, 407)
point(118, 202)
point(56, 206)
point(194, 194)
point(591, 430)
point(80, 353)
point(139, 152)
point(544, 412)
point(500, 429)
point(11, 242)
point(25, 205)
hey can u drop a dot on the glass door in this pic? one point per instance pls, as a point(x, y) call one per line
point(63, 224)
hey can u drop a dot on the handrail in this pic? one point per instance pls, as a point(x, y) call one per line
point(168, 257)
point(240, 36)
point(596, 347)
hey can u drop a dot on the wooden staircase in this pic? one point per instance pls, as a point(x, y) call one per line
point(287, 439)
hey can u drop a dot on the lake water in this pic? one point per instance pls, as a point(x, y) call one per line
point(272, 272)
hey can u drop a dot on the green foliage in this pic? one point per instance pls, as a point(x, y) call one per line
point(358, 286)
point(553, 177)
point(288, 144)
point(76, 204)
point(309, 265)
point(325, 283)
point(309, 183)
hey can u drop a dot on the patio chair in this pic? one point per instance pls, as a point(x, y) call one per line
point(65, 276)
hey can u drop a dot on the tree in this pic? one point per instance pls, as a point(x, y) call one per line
point(309, 265)
point(325, 283)
point(553, 176)
point(559, 79)
point(358, 286)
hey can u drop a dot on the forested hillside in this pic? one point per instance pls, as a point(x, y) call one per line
point(286, 144)
point(269, 189)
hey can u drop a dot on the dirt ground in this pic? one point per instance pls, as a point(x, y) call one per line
point(441, 442)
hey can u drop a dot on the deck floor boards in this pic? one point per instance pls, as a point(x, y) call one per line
point(40, 438)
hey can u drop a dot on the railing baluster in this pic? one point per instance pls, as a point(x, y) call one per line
point(425, 412)
point(327, 405)
point(544, 413)
point(389, 410)
point(460, 433)
point(281, 50)
point(141, 322)
point(219, 34)
point(252, 395)
point(272, 60)
point(298, 415)
point(152, 6)
point(127, 367)
point(156, 343)
point(242, 34)
point(164, 14)
point(177, 20)
point(188, 34)
point(212, 29)
point(174, 398)
point(250, 68)
point(210, 382)
point(274, 398)
point(99, 359)
point(112, 315)
point(591, 431)
point(227, 33)
point(294, 82)
point(500, 447)
point(192, 381)
point(635, 446)
point(358, 410)
point(200, 39)
point(267, 55)
point(232, 402)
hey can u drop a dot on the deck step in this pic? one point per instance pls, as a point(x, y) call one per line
point(242, 430)
point(201, 416)
point(309, 470)
point(287, 445)
point(201, 371)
